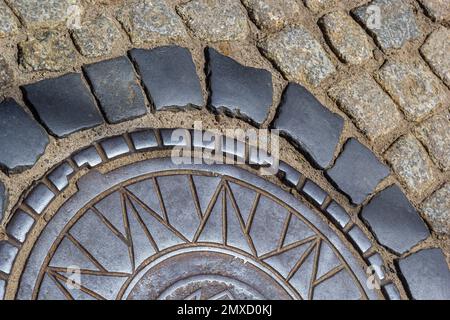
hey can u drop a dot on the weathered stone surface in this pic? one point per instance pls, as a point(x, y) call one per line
point(117, 90)
point(8, 254)
point(368, 105)
point(47, 51)
point(212, 20)
point(272, 15)
point(8, 23)
point(6, 74)
point(397, 22)
point(411, 163)
point(427, 275)
point(357, 171)
point(241, 90)
point(360, 239)
point(19, 225)
point(413, 87)
point(394, 221)
point(169, 77)
point(434, 133)
point(96, 37)
point(437, 209)
point(22, 140)
point(63, 104)
point(438, 10)
point(43, 13)
point(150, 21)
point(3, 199)
point(298, 55)
point(319, 5)
point(314, 128)
point(435, 51)
point(347, 39)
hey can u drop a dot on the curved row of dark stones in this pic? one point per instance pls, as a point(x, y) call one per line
point(65, 105)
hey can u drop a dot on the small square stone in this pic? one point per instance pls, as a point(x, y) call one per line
point(357, 171)
point(435, 51)
point(411, 163)
point(117, 90)
point(213, 20)
point(63, 104)
point(347, 39)
point(319, 5)
point(169, 77)
point(299, 56)
point(437, 209)
point(8, 23)
point(96, 37)
point(7, 75)
point(150, 21)
point(438, 10)
point(413, 87)
point(43, 13)
point(434, 133)
point(19, 225)
point(47, 51)
point(368, 105)
point(272, 15)
point(395, 25)
point(311, 126)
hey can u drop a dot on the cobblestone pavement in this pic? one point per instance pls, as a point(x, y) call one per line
point(91, 90)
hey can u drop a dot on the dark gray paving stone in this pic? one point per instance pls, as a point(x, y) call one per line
point(360, 239)
point(169, 77)
point(3, 199)
point(242, 91)
point(2, 289)
point(338, 214)
point(394, 221)
point(115, 147)
point(22, 140)
point(171, 138)
point(144, 139)
point(39, 198)
point(392, 292)
point(8, 254)
point(289, 174)
point(357, 171)
point(311, 126)
point(377, 262)
point(19, 225)
point(60, 176)
point(427, 275)
point(88, 156)
point(116, 88)
point(316, 193)
point(63, 104)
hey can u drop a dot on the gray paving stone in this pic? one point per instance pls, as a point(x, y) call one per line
point(144, 139)
point(347, 39)
point(96, 37)
point(211, 20)
point(88, 156)
point(438, 10)
point(310, 125)
point(8, 22)
point(413, 87)
point(427, 275)
point(169, 77)
point(22, 140)
point(43, 13)
point(435, 51)
point(3, 199)
point(60, 176)
point(8, 254)
point(116, 89)
point(376, 261)
point(272, 15)
point(233, 147)
point(392, 292)
point(39, 198)
point(437, 209)
point(171, 138)
point(243, 91)
point(63, 104)
point(394, 221)
point(357, 171)
point(367, 104)
point(397, 24)
point(2, 289)
point(19, 225)
point(47, 50)
point(151, 21)
point(7, 75)
point(361, 240)
point(411, 163)
point(115, 147)
point(299, 56)
point(434, 133)
point(319, 5)
point(289, 174)
point(314, 192)
point(338, 214)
